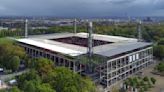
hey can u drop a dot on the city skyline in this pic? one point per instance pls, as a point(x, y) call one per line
point(83, 8)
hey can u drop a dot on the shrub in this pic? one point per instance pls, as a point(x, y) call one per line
point(153, 80)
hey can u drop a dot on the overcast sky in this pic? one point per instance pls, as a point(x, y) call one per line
point(82, 8)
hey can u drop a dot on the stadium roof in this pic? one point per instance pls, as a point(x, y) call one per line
point(119, 45)
point(50, 47)
point(123, 48)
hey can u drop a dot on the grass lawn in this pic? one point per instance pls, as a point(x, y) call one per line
point(5, 41)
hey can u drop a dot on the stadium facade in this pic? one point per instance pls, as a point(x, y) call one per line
point(114, 58)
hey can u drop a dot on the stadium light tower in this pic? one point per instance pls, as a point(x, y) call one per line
point(139, 30)
point(90, 45)
point(90, 38)
point(75, 26)
point(26, 28)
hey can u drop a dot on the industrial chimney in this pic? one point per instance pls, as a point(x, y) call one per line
point(26, 28)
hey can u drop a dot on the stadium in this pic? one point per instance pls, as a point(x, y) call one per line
point(106, 59)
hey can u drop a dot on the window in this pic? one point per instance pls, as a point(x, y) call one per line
point(40, 53)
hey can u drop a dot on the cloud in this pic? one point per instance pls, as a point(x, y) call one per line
point(2, 8)
point(121, 1)
point(81, 8)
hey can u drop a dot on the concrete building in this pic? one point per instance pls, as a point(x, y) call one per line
point(114, 58)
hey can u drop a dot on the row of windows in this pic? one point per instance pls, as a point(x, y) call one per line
point(133, 66)
point(124, 75)
point(36, 53)
point(59, 61)
point(129, 59)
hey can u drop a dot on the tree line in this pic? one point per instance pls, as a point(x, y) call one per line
point(10, 55)
point(43, 75)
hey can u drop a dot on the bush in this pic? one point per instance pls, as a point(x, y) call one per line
point(142, 84)
point(161, 41)
point(141, 90)
point(160, 67)
point(146, 79)
point(153, 80)
point(145, 88)
point(15, 89)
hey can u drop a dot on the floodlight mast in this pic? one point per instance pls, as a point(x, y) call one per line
point(90, 45)
point(26, 28)
point(75, 26)
point(139, 30)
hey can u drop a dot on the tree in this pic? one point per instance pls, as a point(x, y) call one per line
point(153, 80)
point(14, 89)
point(146, 79)
point(88, 85)
point(45, 88)
point(70, 89)
point(161, 42)
point(67, 81)
point(141, 90)
point(160, 67)
point(31, 82)
point(35, 86)
point(145, 88)
point(60, 79)
point(14, 63)
point(159, 51)
point(132, 82)
point(29, 86)
point(31, 75)
point(10, 54)
point(142, 83)
point(43, 66)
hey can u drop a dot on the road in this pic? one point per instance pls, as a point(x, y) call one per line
point(10, 76)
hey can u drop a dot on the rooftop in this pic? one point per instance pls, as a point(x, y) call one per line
point(76, 44)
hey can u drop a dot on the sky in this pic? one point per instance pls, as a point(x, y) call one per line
point(81, 8)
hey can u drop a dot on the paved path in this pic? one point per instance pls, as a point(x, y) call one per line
point(9, 76)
